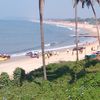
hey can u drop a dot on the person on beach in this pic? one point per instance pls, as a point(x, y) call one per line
point(81, 51)
point(67, 50)
point(72, 52)
point(91, 48)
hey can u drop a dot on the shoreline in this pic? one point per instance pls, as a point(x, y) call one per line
point(29, 64)
point(64, 24)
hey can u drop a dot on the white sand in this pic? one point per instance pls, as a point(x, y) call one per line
point(29, 64)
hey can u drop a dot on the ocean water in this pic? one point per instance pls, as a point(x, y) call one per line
point(22, 36)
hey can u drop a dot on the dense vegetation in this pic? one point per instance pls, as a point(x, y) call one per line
point(66, 81)
point(88, 20)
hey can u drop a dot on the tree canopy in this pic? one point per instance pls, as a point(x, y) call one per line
point(87, 2)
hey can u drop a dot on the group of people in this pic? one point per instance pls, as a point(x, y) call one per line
point(33, 55)
point(48, 54)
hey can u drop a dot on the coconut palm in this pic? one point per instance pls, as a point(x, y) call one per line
point(96, 21)
point(76, 32)
point(89, 3)
point(41, 8)
point(76, 26)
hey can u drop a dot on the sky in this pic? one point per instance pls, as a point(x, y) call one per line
point(28, 9)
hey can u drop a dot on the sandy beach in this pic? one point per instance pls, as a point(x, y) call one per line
point(29, 64)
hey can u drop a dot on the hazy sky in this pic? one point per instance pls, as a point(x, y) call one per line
point(53, 9)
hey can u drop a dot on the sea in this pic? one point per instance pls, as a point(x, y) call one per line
point(18, 37)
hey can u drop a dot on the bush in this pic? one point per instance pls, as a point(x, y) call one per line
point(58, 86)
point(4, 79)
point(19, 75)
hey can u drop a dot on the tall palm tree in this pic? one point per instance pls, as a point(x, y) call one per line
point(96, 22)
point(89, 3)
point(76, 32)
point(41, 8)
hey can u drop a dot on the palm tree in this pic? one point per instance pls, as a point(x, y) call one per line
point(41, 8)
point(76, 26)
point(96, 22)
point(89, 3)
point(76, 32)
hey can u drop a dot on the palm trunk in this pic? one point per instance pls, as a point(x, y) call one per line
point(41, 6)
point(96, 22)
point(76, 33)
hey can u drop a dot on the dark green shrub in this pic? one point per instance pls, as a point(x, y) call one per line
point(19, 75)
point(4, 79)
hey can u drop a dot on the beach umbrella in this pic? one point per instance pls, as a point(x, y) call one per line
point(90, 3)
point(41, 8)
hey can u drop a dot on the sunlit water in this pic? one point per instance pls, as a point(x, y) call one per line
point(22, 36)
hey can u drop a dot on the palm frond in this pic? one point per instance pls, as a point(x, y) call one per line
point(87, 2)
point(98, 1)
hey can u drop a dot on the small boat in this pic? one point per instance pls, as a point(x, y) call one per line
point(4, 57)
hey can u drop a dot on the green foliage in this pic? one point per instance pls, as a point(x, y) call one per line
point(60, 84)
point(4, 79)
point(19, 75)
point(90, 63)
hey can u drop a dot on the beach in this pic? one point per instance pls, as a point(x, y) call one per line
point(64, 54)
